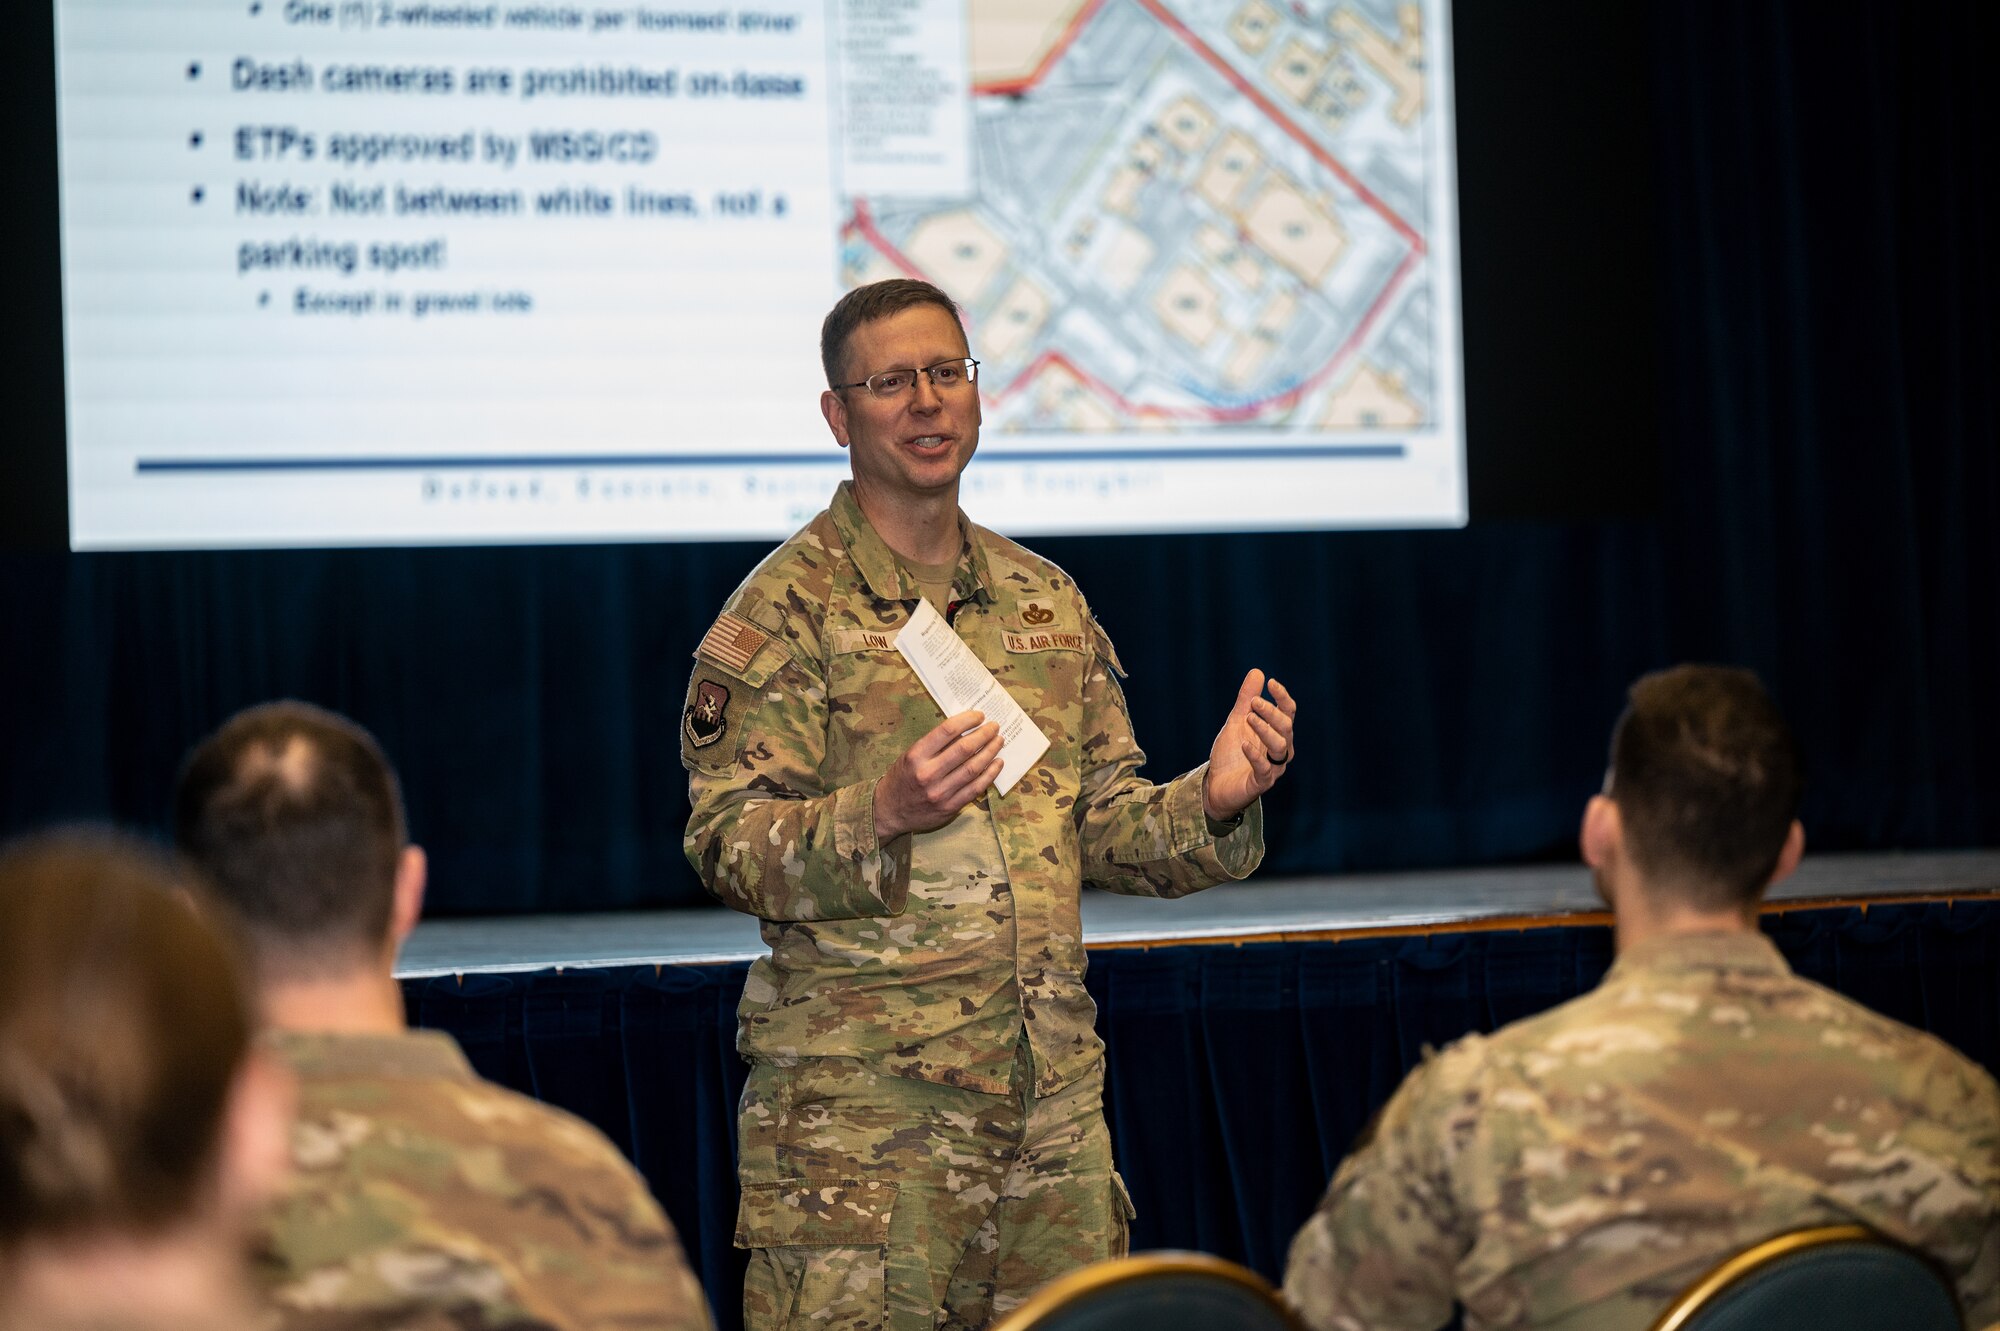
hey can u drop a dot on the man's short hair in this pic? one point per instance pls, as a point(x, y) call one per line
point(864, 305)
point(1706, 778)
point(295, 817)
point(124, 1019)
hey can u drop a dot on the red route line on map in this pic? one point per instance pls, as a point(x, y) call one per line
point(863, 222)
point(1006, 87)
point(1166, 19)
point(1243, 412)
point(1326, 159)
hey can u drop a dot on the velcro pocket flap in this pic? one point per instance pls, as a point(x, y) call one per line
point(812, 1213)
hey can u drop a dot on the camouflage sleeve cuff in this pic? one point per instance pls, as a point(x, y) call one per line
point(1234, 854)
point(881, 882)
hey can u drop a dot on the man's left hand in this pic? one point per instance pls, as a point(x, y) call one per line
point(1252, 749)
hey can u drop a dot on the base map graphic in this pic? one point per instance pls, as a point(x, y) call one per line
point(1190, 215)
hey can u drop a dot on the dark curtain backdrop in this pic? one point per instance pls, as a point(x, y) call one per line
point(1823, 241)
point(1238, 1076)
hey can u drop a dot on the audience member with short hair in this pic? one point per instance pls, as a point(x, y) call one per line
point(1579, 1168)
point(421, 1195)
point(139, 1129)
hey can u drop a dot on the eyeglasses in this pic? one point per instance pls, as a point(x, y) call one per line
point(945, 376)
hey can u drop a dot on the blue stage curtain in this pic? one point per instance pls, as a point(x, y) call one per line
point(1826, 332)
point(1238, 1076)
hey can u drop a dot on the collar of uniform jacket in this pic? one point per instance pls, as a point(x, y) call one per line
point(1732, 950)
point(877, 564)
point(412, 1054)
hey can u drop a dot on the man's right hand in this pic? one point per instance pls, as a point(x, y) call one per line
point(941, 774)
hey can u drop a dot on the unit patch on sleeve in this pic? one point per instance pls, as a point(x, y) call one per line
point(706, 717)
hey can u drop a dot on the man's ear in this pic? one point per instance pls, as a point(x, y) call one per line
point(1602, 835)
point(1788, 858)
point(408, 903)
point(834, 408)
point(256, 1150)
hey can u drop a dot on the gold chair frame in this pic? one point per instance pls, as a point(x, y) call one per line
point(1117, 1271)
point(1760, 1255)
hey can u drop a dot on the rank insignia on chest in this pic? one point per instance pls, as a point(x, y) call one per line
point(705, 718)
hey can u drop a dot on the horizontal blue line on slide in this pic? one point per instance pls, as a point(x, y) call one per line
point(556, 461)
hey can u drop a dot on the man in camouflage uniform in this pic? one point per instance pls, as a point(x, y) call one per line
point(421, 1196)
point(1580, 1168)
point(923, 1138)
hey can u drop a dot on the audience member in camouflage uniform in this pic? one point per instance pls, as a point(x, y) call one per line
point(923, 1136)
point(1578, 1169)
point(421, 1196)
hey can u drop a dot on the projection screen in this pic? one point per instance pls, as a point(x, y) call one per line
point(381, 272)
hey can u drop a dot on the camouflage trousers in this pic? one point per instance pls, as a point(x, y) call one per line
point(879, 1203)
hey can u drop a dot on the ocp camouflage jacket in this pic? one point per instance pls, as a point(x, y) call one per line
point(928, 955)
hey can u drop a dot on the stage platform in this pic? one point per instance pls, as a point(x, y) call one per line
point(1262, 909)
point(1250, 1031)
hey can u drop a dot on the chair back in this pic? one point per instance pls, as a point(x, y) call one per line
point(1833, 1278)
point(1155, 1291)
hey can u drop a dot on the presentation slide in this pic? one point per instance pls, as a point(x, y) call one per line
point(397, 272)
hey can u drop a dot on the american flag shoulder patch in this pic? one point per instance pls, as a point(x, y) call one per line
point(732, 642)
